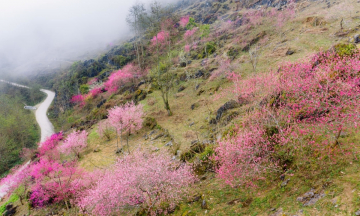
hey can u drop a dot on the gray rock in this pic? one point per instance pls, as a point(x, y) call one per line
point(313, 200)
point(157, 137)
point(227, 106)
point(169, 143)
point(191, 124)
point(206, 142)
point(300, 199)
point(357, 38)
point(284, 183)
point(357, 213)
point(157, 149)
point(118, 151)
point(182, 88)
point(194, 142)
point(290, 52)
point(309, 194)
point(96, 149)
point(199, 74)
point(146, 137)
point(152, 132)
point(204, 205)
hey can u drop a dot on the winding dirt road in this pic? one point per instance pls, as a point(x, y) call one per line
point(47, 129)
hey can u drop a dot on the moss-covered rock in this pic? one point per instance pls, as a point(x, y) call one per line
point(150, 122)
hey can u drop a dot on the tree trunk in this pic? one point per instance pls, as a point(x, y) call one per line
point(167, 107)
point(127, 141)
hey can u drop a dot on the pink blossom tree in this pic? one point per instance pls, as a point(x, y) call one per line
point(305, 105)
point(126, 119)
point(105, 129)
point(160, 39)
point(153, 182)
point(74, 143)
point(184, 21)
point(55, 182)
point(18, 177)
point(116, 79)
point(78, 99)
point(95, 92)
point(50, 144)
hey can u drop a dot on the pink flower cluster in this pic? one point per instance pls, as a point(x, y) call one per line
point(93, 81)
point(74, 143)
point(78, 99)
point(127, 117)
point(95, 92)
point(146, 180)
point(51, 143)
point(160, 39)
point(189, 33)
point(301, 106)
point(189, 47)
point(49, 180)
point(120, 77)
point(184, 21)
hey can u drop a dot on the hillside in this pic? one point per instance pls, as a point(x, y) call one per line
point(18, 128)
point(220, 107)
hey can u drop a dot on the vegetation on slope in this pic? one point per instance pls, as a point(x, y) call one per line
point(18, 128)
point(262, 136)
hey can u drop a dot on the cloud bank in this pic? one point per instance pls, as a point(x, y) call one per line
point(38, 33)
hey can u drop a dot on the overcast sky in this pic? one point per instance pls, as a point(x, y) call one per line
point(39, 31)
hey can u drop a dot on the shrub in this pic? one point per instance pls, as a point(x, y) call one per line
point(345, 49)
point(152, 181)
point(184, 21)
point(84, 89)
point(50, 143)
point(191, 24)
point(74, 143)
point(304, 109)
point(78, 99)
point(105, 129)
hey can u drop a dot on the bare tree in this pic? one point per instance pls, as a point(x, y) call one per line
point(135, 19)
point(254, 53)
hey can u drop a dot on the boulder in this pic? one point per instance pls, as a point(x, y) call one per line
point(227, 106)
point(157, 137)
point(204, 204)
point(290, 52)
point(169, 144)
point(118, 151)
point(357, 38)
point(357, 213)
point(182, 88)
point(97, 148)
point(150, 122)
point(199, 74)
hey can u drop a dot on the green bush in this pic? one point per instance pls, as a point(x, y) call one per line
point(210, 48)
point(121, 60)
point(13, 198)
point(208, 152)
point(345, 49)
point(191, 24)
point(84, 89)
point(205, 30)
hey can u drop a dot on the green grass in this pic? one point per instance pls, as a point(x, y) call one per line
point(13, 198)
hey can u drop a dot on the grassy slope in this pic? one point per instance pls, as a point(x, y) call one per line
point(340, 186)
point(300, 35)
